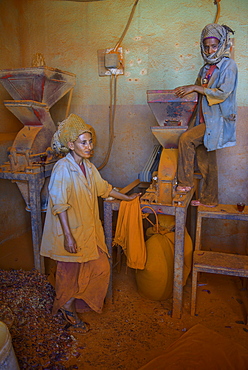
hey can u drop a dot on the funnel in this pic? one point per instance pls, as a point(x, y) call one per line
point(168, 136)
point(172, 114)
point(168, 109)
point(42, 84)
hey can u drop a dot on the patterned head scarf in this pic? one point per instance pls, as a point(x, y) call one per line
point(222, 34)
point(69, 130)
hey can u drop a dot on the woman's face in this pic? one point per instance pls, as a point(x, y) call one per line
point(210, 45)
point(82, 147)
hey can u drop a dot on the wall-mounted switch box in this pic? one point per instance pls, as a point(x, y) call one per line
point(110, 62)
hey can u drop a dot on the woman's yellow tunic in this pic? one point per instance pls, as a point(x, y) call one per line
point(70, 191)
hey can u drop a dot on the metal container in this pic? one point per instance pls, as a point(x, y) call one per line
point(168, 136)
point(168, 109)
point(40, 84)
point(8, 360)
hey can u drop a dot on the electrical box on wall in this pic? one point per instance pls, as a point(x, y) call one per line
point(110, 61)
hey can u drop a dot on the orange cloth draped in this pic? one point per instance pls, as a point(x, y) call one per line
point(130, 235)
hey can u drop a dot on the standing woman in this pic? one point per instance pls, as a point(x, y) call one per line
point(73, 233)
point(214, 124)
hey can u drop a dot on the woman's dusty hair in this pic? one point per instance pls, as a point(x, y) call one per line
point(68, 131)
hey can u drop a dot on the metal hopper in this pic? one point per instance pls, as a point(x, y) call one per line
point(168, 109)
point(35, 90)
point(41, 84)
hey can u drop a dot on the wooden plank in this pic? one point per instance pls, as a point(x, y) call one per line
point(180, 220)
point(225, 211)
point(221, 263)
point(129, 187)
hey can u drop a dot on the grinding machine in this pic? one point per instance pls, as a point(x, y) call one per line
point(31, 159)
point(173, 115)
point(34, 90)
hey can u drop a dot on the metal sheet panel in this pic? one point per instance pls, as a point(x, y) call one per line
point(41, 84)
point(168, 136)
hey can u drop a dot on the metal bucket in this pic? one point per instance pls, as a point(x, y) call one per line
point(8, 359)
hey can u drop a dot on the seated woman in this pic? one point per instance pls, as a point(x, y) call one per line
point(213, 125)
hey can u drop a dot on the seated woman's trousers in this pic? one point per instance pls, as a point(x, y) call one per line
point(191, 147)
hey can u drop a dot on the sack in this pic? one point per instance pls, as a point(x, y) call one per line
point(155, 282)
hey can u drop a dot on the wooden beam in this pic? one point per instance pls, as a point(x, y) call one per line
point(129, 187)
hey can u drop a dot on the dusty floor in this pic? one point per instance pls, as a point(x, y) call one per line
point(133, 330)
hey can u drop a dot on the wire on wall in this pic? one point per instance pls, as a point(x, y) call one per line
point(127, 26)
point(217, 2)
point(113, 95)
point(112, 109)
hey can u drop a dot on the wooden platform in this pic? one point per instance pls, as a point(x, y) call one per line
point(221, 263)
point(216, 262)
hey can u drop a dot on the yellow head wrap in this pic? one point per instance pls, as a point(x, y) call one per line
point(69, 130)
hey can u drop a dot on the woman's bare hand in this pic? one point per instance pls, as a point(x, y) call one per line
point(133, 196)
point(120, 196)
point(70, 244)
point(181, 91)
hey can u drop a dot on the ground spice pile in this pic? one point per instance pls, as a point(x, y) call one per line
point(40, 340)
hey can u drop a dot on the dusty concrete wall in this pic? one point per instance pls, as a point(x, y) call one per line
point(14, 219)
point(161, 51)
point(10, 58)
